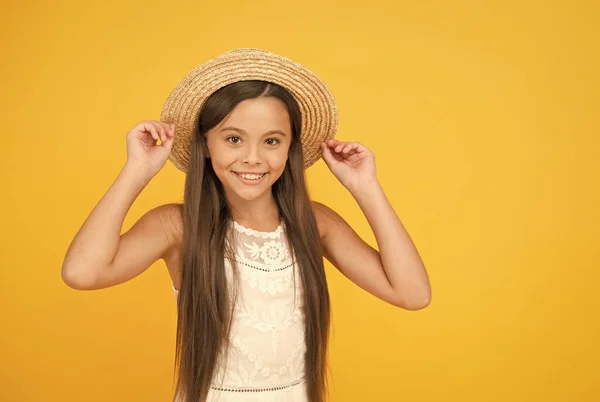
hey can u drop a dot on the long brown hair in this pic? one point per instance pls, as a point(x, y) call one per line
point(205, 303)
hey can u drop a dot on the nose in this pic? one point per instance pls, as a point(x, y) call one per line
point(252, 155)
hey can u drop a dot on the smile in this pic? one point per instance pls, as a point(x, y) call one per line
point(250, 178)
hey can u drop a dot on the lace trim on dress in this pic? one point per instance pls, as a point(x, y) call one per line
point(263, 235)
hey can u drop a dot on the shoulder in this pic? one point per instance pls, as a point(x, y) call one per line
point(171, 216)
point(327, 218)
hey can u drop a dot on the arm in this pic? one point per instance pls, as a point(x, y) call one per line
point(399, 256)
point(395, 273)
point(99, 256)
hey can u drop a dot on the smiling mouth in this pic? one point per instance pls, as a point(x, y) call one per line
point(250, 176)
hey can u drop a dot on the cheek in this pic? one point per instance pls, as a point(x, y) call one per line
point(277, 168)
point(222, 158)
point(277, 162)
point(220, 166)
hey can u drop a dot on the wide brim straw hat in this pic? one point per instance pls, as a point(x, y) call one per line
point(317, 104)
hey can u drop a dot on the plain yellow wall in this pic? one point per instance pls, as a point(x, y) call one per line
point(483, 117)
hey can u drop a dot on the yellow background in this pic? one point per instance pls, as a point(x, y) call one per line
point(483, 117)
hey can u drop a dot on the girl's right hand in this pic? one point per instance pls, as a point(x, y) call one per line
point(142, 151)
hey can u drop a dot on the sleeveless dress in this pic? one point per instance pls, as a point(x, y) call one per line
point(265, 361)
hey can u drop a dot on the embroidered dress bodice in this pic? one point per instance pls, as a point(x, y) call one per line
point(267, 334)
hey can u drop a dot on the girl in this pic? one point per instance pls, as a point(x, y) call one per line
point(245, 248)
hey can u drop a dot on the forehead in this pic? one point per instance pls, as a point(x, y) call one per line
point(260, 115)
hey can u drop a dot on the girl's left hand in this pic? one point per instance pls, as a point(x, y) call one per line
point(352, 163)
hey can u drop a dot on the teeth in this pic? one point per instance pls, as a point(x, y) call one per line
point(250, 176)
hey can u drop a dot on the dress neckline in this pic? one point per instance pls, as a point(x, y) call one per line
point(257, 233)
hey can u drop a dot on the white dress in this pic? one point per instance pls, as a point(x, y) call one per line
point(266, 360)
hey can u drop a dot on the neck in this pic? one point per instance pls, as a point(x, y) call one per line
point(259, 214)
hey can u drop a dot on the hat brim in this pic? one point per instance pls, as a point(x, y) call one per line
point(317, 104)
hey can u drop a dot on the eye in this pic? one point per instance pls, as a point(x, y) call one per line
point(273, 139)
point(233, 137)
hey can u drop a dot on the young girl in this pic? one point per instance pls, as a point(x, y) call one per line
point(245, 248)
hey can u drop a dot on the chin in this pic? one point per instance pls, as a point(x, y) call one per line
point(250, 194)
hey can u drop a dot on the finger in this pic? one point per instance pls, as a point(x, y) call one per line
point(348, 148)
point(330, 156)
point(161, 131)
point(155, 131)
point(168, 143)
point(339, 147)
point(149, 128)
point(327, 157)
point(168, 129)
point(332, 143)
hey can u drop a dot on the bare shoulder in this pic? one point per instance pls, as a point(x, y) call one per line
point(327, 218)
point(171, 216)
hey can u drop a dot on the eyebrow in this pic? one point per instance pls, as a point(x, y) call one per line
point(239, 130)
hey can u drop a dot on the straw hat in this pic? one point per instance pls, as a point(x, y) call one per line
point(317, 105)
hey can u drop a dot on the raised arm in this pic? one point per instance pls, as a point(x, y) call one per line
point(99, 256)
point(396, 272)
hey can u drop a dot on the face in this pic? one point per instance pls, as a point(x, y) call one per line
point(249, 148)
